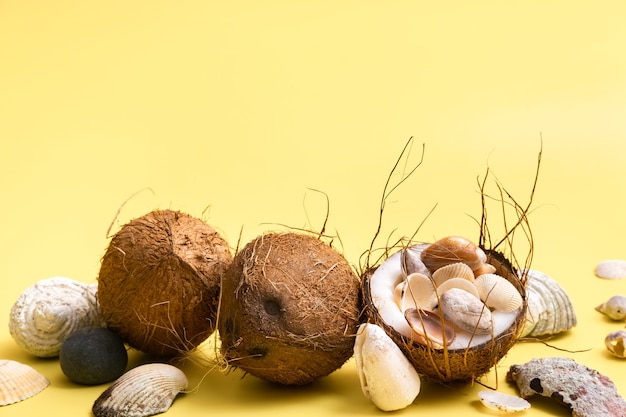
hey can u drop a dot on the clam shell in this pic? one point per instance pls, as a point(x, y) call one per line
point(418, 291)
point(428, 328)
point(465, 311)
point(455, 270)
point(614, 307)
point(460, 283)
point(500, 401)
point(143, 391)
point(498, 293)
point(550, 310)
point(19, 382)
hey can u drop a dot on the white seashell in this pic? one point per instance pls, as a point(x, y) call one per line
point(455, 270)
point(387, 377)
point(19, 382)
point(614, 307)
point(49, 311)
point(428, 329)
point(498, 293)
point(502, 402)
point(465, 311)
point(460, 283)
point(143, 391)
point(550, 310)
point(410, 260)
point(418, 291)
point(614, 342)
point(611, 269)
point(485, 268)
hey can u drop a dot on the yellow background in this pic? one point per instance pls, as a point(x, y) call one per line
point(238, 111)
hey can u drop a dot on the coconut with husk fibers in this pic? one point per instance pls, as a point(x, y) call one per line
point(159, 282)
point(290, 309)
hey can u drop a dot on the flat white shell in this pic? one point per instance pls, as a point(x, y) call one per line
point(387, 377)
point(19, 382)
point(502, 402)
point(418, 291)
point(611, 269)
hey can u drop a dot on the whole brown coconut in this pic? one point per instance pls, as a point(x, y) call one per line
point(290, 309)
point(455, 365)
point(159, 282)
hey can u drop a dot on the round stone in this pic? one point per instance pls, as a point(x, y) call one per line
point(93, 355)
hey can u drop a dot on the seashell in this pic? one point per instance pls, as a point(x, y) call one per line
point(387, 377)
point(49, 311)
point(450, 250)
point(455, 270)
point(550, 310)
point(460, 283)
point(614, 307)
point(418, 291)
point(611, 269)
point(498, 293)
point(19, 382)
point(485, 268)
point(465, 311)
point(143, 391)
point(428, 328)
point(410, 260)
point(499, 401)
point(614, 342)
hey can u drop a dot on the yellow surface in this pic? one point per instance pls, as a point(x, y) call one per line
point(238, 111)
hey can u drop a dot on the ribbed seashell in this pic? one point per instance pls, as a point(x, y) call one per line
point(485, 268)
point(550, 310)
point(49, 311)
point(498, 293)
point(450, 250)
point(429, 329)
point(465, 311)
point(19, 382)
point(614, 308)
point(387, 377)
point(417, 291)
point(143, 391)
point(455, 270)
point(460, 283)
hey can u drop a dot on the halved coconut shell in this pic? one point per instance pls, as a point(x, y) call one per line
point(452, 363)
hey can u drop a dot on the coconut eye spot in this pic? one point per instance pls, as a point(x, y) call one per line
point(271, 307)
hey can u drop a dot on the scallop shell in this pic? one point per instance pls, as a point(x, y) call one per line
point(550, 310)
point(498, 293)
point(455, 270)
point(465, 311)
point(49, 311)
point(500, 401)
point(143, 391)
point(460, 283)
point(614, 307)
point(19, 382)
point(428, 328)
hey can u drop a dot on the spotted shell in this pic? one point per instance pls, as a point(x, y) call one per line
point(19, 382)
point(143, 391)
point(498, 293)
point(550, 310)
point(50, 310)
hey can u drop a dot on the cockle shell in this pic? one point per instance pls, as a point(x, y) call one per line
point(49, 311)
point(450, 250)
point(500, 401)
point(460, 283)
point(614, 307)
point(19, 381)
point(387, 377)
point(455, 270)
point(614, 342)
point(465, 311)
point(550, 310)
point(498, 293)
point(143, 391)
point(429, 329)
point(417, 291)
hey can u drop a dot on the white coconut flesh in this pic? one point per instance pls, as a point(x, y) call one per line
point(382, 284)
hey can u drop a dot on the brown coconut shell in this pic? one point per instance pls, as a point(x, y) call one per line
point(291, 306)
point(456, 365)
point(159, 282)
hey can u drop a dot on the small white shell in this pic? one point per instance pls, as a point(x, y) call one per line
point(418, 291)
point(550, 310)
point(19, 381)
point(143, 391)
point(465, 311)
point(502, 402)
point(455, 270)
point(460, 283)
point(614, 307)
point(387, 377)
point(49, 311)
point(611, 269)
point(614, 342)
point(498, 293)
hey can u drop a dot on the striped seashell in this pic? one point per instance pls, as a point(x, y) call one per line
point(550, 310)
point(19, 382)
point(455, 270)
point(50, 310)
point(460, 283)
point(417, 291)
point(498, 293)
point(143, 391)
